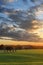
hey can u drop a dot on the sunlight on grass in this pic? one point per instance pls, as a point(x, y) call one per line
point(22, 57)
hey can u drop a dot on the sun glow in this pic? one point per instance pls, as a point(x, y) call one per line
point(12, 42)
point(39, 32)
point(38, 28)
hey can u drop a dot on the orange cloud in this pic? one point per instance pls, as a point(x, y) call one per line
point(10, 42)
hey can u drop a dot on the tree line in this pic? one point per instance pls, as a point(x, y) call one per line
point(13, 48)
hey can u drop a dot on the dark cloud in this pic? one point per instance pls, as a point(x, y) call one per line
point(7, 10)
point(24, 19)
point(17, 34)
point(18, 23)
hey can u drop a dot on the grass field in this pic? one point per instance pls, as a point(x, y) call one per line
point(22, 57)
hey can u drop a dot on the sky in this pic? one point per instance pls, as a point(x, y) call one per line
point(21, 20)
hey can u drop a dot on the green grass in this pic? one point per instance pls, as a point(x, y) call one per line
point(22, 57)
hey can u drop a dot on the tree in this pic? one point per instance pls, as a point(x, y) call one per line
point(2, 47)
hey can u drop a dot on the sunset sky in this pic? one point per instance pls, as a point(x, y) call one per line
point(21, 22)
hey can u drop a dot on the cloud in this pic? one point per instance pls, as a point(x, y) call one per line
point(24, 20)
point(18, 23)
point(5, 1)
point(37, 2)
point(17, 33)
point(10, 0)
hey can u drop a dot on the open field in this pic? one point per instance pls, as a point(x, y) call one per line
point(22, 57)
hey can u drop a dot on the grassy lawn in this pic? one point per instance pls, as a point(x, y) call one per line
point(22, 57)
